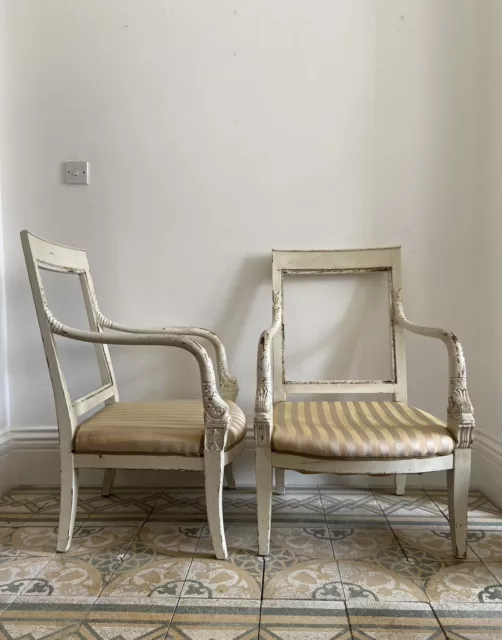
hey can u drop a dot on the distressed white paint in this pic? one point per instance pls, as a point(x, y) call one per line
point(43, 255)
point(272, 387)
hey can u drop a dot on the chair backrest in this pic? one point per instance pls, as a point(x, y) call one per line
point(355, 261)
point(43, 255)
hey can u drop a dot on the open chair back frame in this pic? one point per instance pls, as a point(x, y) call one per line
point(217, 391)
point(274, 388)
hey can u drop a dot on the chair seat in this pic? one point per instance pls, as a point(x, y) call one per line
point(173, 427)
point(358, 430)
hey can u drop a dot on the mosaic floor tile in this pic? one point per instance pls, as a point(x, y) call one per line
point(481, 514)
point(168, 539)
point(470, 621)
point(190, 506)
point(43, 618)
point(242, 539)
point(226, 619)
point(375, 583)
point(128, 618)
point(48, 514)
point(16, 574)
point(300, 508)
point(464, 582)
point(309, 580)
point(237, 577)
point(420, 545)
point(356, 508)
point(487, 545)
point(495, 569)
point(393, 621)
point(29, 541)
point(147, 576)
point(364, 543)
point(304, 620)
point(414, 509)
point(123, 508)
point(18, 506)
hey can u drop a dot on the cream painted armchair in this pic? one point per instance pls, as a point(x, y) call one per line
point(374, 437)
point(180, 434)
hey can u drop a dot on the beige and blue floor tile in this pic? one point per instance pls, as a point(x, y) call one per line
point(352, 509)
point(393, 621)
point(43, 618)
point(370, 582)
point(434, 544)
point(190, 506)
point(19, 506)
point(148, 575)
point(364, 543)
point(416, 509)
point(304, 620)
point(169, 539)
point(17, 574)
point(314, 579)
point(481, 514)
point(196, 619)
point(478, 621)
point(297, 508)
point(467, 582)
point(239, 577)
point(128, 619)
point(123, 508)
point(487, 545)
point(48, 515)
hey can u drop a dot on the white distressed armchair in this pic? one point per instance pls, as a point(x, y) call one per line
point(179, 434)
point(358, 437)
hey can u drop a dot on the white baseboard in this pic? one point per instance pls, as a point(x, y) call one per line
point(30, 456)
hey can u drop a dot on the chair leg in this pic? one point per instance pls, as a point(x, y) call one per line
point(108, 481)
point(264, 497)
point(400, 483)
point(280, 484)
point(68, 507)
point(213, 469)
point(458, 480)
point(229, 476)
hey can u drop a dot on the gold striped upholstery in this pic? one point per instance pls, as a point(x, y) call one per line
point(172, 427)
point(358, 430)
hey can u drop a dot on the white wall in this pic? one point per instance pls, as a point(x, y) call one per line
point(216, 131)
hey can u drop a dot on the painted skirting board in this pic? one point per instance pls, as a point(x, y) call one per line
point(30, 455)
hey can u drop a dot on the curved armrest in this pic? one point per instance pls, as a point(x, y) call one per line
point(264, 391)
point(228, 383)
point(460, 409)
point(216, 411)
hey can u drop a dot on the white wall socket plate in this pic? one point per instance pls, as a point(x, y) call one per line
point(76, 172)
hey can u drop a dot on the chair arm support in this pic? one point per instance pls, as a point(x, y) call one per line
point(216, 411)
point(460, 410)
point(264, 389)
point(228, 383)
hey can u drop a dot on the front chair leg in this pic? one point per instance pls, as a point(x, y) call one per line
point(400, 483)
point(108, 481)
point(68, 506)
point(458, 480)
point(229, 476)
point(280, 483)
point(264, 497)
point(213, 470)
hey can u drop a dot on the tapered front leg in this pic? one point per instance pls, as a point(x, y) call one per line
point(264, 497)
point(458, 480)
point(213, 469)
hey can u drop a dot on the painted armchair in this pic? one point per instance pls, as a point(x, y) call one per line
point(200, 435)
point(376, 437)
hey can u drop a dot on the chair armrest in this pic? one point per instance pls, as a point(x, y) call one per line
point(216, 411)
point(460, 410)
point(264, 402)
point(228, 383)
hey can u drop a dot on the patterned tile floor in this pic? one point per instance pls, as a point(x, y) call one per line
point(361, 565)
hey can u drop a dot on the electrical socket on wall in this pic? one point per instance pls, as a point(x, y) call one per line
point(76, 172)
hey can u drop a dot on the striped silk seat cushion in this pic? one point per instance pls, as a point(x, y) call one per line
point(358, 430)
point(172, 427)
